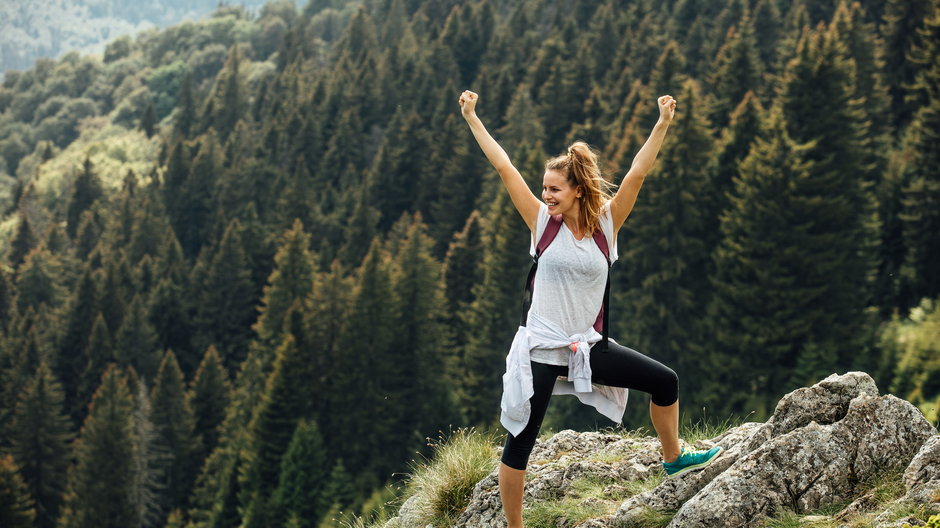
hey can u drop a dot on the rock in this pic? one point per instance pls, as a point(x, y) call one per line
point(813, 466)
point(824, 402)
point(923, 473)
point(863, 504)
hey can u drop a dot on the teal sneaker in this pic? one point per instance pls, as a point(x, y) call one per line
point(690, 460)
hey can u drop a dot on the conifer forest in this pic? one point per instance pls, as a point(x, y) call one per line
point(251, 264)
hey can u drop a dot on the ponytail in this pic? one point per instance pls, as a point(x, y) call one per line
point(581, 168)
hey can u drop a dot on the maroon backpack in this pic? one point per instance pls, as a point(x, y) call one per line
point(551, 230)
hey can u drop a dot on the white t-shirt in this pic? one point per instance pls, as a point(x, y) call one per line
point(569, 284)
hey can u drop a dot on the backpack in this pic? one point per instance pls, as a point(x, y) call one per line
point(551, 230)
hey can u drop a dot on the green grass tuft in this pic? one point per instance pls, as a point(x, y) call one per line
point(444, 483)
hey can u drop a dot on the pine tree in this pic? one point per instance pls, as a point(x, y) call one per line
point(174, 425)
point(146, 487)
point(492, 315)
point(194, 205)
point(746, 124)
point(292, 279)
point(920, 217)
point(149, 120)
point(98, 353)
point(135, 342)
point(422, 401)
point(303, 478)
point(766, 294)
point(819, 107)
point(185, 115)
point(227, 101)
point(23, 242)
point(659, 296)
point(40, 443)
point(736, 70)
point(105, 447)
point(356, 403)
point(208, 397)
point(38, 282)
point(227, 300)
point(901, 22)
point(16, 507)
point(272, 429)
point(86, 192)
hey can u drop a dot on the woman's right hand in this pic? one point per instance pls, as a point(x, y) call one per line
point(468, 102)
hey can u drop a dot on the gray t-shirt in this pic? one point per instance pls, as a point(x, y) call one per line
point(569, 284)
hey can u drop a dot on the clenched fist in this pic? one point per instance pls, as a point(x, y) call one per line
point(468, 102)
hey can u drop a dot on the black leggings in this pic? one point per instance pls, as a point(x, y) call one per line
point(618, 367)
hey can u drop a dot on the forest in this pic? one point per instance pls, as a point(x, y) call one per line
point(253, 265)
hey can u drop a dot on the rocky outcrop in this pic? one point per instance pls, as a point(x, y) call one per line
point(810, 467)
point(818, 448)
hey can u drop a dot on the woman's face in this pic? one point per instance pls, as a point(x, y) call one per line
point(557, 193)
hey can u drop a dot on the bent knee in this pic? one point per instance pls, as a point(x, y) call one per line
point(668, 388)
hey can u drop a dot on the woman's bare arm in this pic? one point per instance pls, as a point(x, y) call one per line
point(522, 197)
point(622, 202)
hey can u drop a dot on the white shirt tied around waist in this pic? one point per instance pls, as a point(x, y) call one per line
point(517, 381)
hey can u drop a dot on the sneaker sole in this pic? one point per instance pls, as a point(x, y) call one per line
point(697, 467)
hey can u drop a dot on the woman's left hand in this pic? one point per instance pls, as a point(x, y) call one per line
point(667, 108)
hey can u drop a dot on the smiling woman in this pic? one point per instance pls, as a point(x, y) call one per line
point(560, 334)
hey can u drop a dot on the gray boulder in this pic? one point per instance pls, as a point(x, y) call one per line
point(813, 466)
point(823, 403)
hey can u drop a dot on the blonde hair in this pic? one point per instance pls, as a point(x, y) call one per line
point(580, 168)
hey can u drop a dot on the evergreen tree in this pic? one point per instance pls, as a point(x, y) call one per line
point(227, 300)
point(135, 342)
point(208, 398)
point(38, 282)
point(303, 477)
point(292, 279)
point(105, 447)
point(746, 124)
point(227, 101)
point(493, 313)
point(146, 487)
point(86, 192)
point(174, 424)
point(272, 429)
point(900, 24)
point(819, 107)
point(16, 507)
point(397, 174)
point(920, 217)
point(766, 293)
point(98, 353)
point(149, 120)
point(662, 290)
point(736, 70)
point(422, 401)
point(40, 443)
point(357, 405)
point(194, 205)
point(185, 115)
point(23, 242)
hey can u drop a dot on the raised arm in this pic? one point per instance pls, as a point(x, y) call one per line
point(526, 202)
point(622, 202)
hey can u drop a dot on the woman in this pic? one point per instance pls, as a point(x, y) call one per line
point(559, 339)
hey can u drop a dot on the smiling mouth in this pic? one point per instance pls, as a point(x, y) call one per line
point(551, 204)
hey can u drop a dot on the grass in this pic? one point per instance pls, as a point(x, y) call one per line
point(444, 483)
point(706, 429)
point(588, 498)
point(885, 487)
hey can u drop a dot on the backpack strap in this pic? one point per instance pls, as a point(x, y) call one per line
point(551, 231)
point(601, 323)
